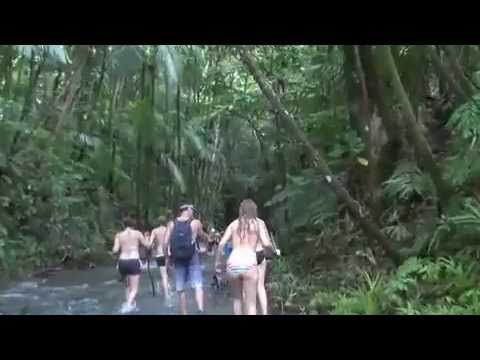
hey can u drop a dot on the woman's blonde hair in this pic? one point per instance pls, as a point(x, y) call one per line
point(246, 213)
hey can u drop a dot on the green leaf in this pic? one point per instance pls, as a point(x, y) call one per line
point(4, 201)
point(3, 160)
point(177, 174)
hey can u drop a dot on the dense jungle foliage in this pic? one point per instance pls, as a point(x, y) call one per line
point(362, 159)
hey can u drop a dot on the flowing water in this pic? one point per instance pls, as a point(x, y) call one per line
point(98, 292)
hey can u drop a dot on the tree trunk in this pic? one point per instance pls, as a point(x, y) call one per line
point(374, 140)
point(148, 153)
point(71, 88)
point(112, 140)
point(381, 97)
point(29, 98)
point(352, 91)
point(34, 75)
point(422, 148)
point(7, 66)
point(98, 86)
point(139, 148)
point(457, 70)
point(56, 83)
point(445, 75)
point(179, 129)
point(358, 212)
point(19, 66)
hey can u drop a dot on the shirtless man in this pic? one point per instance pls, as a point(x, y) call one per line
point(128, 242)
point(157, 239)
point(242, 270)
point(213, 240)
point(190, 269)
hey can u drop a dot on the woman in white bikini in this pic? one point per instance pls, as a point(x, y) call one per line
point(246, 232)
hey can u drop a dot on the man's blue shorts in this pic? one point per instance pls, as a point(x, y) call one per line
point(189, 271)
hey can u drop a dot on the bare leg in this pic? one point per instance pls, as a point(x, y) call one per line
point(237, 295)
point(127, 288)
point(244, 310)
point(183, 302)
point(250, 281)
point(133, 282)
point(164, 276)
point(199, 298)
point(261, 292)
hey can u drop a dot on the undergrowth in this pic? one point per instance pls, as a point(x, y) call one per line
point(419, 286)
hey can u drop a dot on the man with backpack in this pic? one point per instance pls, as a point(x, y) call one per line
point(182, 238)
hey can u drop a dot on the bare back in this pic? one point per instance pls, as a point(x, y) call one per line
point(128, 243)
point(248, 237)
point(158, 238)
point(253, 233)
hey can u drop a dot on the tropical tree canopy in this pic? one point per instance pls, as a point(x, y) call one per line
point(361, 159)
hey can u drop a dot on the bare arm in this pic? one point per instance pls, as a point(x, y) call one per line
point(143, 241)
point(166, 241)
point(116, 245)
point(226, 237)
point(199, 230)
point(153, 236)
point(264, 236)
point(274, 245)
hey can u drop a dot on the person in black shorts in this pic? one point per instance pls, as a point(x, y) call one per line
point(157, 238)
point(128, 243)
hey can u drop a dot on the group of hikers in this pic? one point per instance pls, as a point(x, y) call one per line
point(240, 258)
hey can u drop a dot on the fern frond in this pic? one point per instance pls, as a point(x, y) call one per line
point(406, 181)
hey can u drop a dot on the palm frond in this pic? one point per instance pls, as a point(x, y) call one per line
point(177, 175)
point(465, 120)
